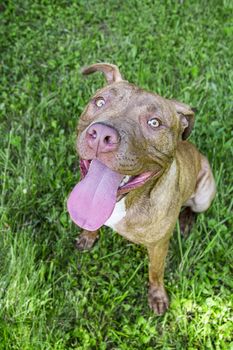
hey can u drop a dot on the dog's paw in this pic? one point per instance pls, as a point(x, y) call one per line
point(86, 240)
point(186, 219)
point(158, 299)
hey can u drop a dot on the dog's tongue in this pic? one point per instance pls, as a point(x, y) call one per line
point(93, 199)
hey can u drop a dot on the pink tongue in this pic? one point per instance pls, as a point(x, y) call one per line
point(93, 199)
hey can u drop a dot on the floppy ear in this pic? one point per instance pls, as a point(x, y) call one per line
point(186, 114)
point(111, 72)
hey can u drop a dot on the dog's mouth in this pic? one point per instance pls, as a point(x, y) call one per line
point(93, 199)
point(127, 183)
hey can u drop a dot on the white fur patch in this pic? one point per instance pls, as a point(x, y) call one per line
point(118, 213)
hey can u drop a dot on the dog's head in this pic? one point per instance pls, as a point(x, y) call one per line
point(128, 132)
point(129, 129)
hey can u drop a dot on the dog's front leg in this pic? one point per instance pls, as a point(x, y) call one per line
point(157, 296)
point(87, 239)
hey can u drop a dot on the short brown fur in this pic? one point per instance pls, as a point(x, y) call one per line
point(184, 176)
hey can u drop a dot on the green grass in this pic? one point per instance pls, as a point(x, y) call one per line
point(51, 296)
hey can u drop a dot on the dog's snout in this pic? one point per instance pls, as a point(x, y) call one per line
point(102, 138)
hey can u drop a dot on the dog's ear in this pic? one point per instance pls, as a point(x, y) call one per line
point(186, 114)
point(111, 72)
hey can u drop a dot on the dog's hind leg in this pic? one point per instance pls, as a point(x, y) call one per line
point(202, 197)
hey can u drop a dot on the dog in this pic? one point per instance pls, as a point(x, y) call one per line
point(138, 171)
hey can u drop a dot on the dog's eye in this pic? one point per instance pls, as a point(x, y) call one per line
point(99, 102)
point(154, 122)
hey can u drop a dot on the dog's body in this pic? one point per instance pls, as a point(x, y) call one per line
point(127, 131)
point(141, 218)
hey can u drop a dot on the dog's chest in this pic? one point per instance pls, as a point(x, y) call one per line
point(118, 214)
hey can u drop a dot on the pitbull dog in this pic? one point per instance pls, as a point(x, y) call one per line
point(138, 171)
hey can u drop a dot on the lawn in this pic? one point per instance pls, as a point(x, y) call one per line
point(51, 295)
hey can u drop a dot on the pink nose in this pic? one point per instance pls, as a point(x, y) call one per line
point(102, 138)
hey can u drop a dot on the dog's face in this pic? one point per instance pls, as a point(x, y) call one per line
point(148, 128)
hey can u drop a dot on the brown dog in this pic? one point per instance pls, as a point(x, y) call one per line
point(138, 171)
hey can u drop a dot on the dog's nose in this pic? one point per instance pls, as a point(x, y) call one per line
point(102, 138)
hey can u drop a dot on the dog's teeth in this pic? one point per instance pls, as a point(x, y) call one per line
point(125, 180)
